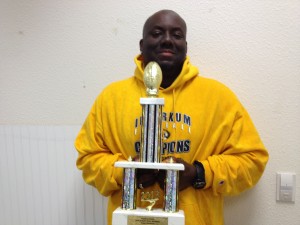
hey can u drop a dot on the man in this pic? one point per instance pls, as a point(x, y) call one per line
point(205, 127)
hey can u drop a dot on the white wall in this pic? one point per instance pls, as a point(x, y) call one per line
point(56, 56)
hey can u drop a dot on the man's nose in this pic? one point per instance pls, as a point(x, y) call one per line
point(167, 39)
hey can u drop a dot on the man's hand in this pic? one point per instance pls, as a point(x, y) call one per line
point(145, 177)
point(186, 176)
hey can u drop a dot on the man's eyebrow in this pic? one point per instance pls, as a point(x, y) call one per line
point(156, 27)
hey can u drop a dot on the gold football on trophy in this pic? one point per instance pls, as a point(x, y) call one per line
point(152, 79)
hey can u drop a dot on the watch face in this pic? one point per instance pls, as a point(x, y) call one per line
point(199, 184)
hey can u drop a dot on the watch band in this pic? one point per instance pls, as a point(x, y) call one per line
point(199, 181)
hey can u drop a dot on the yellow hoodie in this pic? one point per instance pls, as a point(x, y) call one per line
point(202, 120)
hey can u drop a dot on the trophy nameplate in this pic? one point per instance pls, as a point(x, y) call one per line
point(140, 220)
point(150, 158)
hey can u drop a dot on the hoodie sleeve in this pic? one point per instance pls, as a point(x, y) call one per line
point(94, 158)
point(240, 162)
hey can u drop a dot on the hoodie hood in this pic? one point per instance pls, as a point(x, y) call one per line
point(187, 73)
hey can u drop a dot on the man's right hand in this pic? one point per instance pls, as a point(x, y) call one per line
point(145, 177)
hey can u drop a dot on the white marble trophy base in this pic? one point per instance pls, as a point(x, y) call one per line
point(143, 217)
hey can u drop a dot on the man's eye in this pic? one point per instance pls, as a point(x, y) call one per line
point(178, 36)
point(156, 33)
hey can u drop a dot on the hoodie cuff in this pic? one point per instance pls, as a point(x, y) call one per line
point(119, 175)
point(208, 174)
point(118, 171)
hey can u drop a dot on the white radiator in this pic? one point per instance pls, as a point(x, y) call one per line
point(39, 181)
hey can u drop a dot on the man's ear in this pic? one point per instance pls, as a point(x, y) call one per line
point(186, 48)
point(141, 45)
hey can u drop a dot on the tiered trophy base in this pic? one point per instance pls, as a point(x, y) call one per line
point(143, 217)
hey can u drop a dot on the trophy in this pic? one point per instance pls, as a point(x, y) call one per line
point(150, 158)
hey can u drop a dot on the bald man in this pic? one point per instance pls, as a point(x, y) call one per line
point(205, 127)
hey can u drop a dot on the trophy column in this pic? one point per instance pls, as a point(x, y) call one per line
point(150, 158)
point(151, 142)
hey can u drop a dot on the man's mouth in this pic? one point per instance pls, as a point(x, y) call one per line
point(166, 53)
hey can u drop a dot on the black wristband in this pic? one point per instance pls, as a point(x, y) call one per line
point(199, 181)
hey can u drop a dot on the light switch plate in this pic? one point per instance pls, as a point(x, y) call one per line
point(286, 186)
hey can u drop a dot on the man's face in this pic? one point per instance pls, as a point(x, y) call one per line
point(164, 40)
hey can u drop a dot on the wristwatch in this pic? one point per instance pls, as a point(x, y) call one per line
point(199, 181)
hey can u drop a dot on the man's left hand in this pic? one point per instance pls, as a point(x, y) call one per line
point(186, 176)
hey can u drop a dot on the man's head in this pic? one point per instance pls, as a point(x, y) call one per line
point(164, 41)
